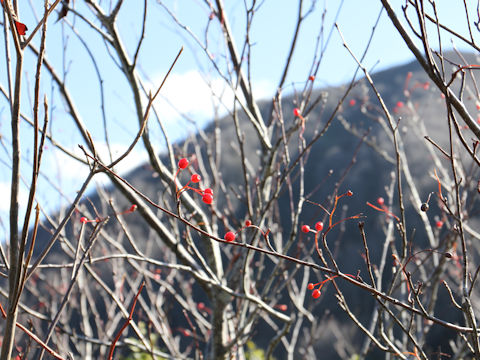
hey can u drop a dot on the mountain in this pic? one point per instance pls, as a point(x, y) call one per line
point(356, 152)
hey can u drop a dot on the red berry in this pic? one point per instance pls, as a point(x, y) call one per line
point(439, 224)
point(183, 163)
point(207, 198)
point(248, 223)
point(132, 208)
point(310, 286)
point(306, 228)
point(282, 307)
point(83, 220)
point(208, 191)
point(426, 85)
point(316, 293)
point(400, 104)
point(195, 178)
point(319, 226)
point(311, 78)
point(230, 236)
point(349, 193)
point(201, 306)
point(296, 112)
point(352, 102)
point(380, 201)
point(185, 332)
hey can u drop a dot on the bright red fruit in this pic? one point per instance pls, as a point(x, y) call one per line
point(183, 163)
point(248, 223)
point(310, 286)
point(380, 201)
point(311, 78)
point(316, 293)
point(352, 102)
point(439, 224)
point(296, 112)
point(306, 228)
point(195, 178)
point(83, 220)
point(207, 198)
point(132, 208)
point(208, 191)
point(230, 236)
point(319, 226)
point(349, 193)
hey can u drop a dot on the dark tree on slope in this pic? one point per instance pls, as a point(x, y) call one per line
point(378, 276)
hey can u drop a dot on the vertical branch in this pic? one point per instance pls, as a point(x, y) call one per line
point(12, 311)
point(8, 61)
point(37, 153)
point(467, 307)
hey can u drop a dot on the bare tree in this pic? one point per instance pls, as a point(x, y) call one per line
point(213, 251)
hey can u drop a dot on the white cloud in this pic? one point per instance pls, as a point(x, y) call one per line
point(192, 94)
point(69, 169)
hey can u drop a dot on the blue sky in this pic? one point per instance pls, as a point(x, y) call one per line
point(186, 90)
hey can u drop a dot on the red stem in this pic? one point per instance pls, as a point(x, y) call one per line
point(34, 337)
point(130, 316)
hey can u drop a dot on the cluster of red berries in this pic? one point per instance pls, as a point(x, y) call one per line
point(207, 194)
point(230, 236)
point(318, 227)
point(318, 291)
point(319, 224)
point(424, 207)
point(317, 288)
